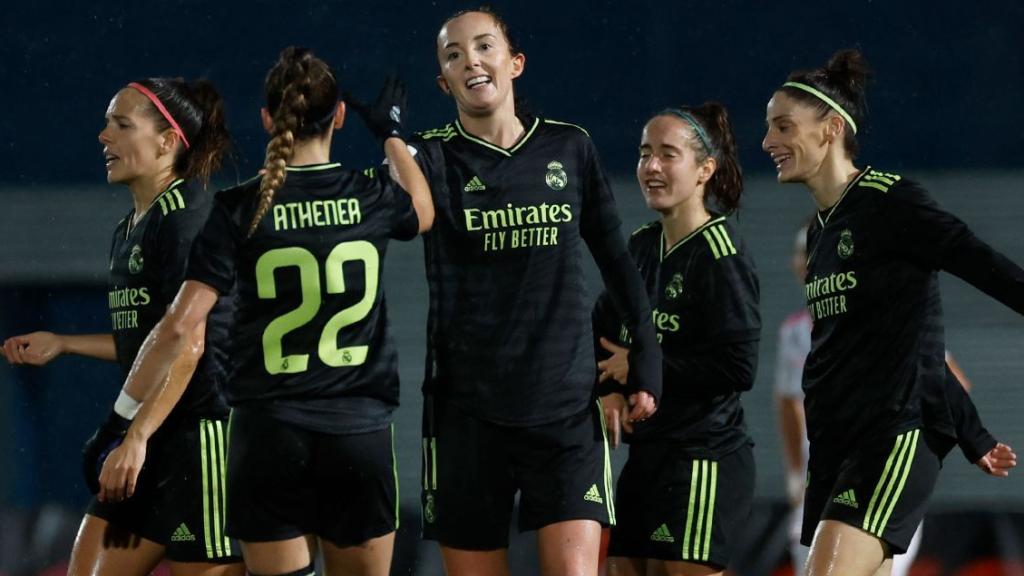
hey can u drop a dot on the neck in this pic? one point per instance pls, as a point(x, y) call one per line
point(316, 150)
point(833, 177)
point(683, 219)
point(501, 127)
point(145, 189)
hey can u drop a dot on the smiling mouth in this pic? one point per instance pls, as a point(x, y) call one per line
point(109, 159)
point(780, 159)
point(477, 81)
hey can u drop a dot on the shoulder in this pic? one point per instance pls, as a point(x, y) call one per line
point(723, 240)
point(888, 187)
point(434, 135)
point(645, 235)
point(566, 128)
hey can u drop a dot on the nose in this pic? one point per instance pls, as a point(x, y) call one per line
point(768, 142)
point(103, 136)
point(652, 165)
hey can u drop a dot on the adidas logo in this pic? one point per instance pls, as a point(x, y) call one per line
point(847, 499)
point(181, 534)
point(662, 534)
point(593, 495)
point(475, 185)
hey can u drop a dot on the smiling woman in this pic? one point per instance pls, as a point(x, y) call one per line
point(509, 386)
point(878, 350)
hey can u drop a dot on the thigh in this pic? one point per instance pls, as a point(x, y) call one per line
point(269, 483)
point(104, 548)
point(468, 489)
point(839, 548)
point(569, 547)
point(368, 558)
point(356, 487)
point(282, 556)
point(563, 471)
point(460, 562)
point(884, 490)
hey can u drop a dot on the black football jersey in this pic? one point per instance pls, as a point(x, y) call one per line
point(147, 266)
point(510, 338)
point(877, 344)
point(310, 343)
point(705, 294)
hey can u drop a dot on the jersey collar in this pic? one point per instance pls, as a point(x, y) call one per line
point(312, 167)
point(664, 253)
point(823, 219)
point(503, 151)
point(172, 188)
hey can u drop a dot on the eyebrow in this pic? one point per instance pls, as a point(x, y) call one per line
point(778, 117)
point(117, 117)
point(477, 37)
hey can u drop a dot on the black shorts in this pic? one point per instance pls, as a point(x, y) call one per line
point(882, 489)
point(473, 468)
point(673, 507)
point(179, 498)
point(285, 481)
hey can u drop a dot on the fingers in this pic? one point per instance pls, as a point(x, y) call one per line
point(13, 349)
point(643, 406)
point(610, 346)
point(614, 427)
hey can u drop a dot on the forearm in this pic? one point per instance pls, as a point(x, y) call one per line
point(407, 173)
point(99, 346)
point(162, 399)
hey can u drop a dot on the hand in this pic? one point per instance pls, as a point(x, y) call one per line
point(121, 470)
point(616, 366)
point(615, 409)
point(384, 117)
point(643, 406)
point(998, 461)
point(106, 438)
point(35, 349)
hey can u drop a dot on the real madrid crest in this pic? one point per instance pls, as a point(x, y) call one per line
point(135, 260)
point(556, 178)
point(675, 287)
point(845, 244)
point(428, 510)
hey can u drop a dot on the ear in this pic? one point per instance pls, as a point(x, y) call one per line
point(168, 142)
point(834, 127)
point(443, 85)
point(267, 119)
point(518, 64)
point(339, 115)
point(706, 170)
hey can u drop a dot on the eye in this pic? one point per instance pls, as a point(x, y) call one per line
point(485, 46)
point(451, 56)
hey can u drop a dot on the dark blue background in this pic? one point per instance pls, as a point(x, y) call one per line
point(948, 94)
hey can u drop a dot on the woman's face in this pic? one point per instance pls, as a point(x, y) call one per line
point(131, 143)
point(797, 139)
point(477, 65)
point(667, 171)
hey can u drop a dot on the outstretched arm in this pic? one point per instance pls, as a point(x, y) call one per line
point(39, 348)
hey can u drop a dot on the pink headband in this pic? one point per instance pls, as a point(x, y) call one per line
point(160, 106)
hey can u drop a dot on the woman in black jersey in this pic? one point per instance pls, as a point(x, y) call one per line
point(162, 139)
point(509, 400)
point(873, 378)
point(313, 378)
point(686, 489)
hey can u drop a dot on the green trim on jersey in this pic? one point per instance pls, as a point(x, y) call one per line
point(430, 463)
point(499, 149)
point(699, 526)
point(445, 133)
point(170, 199)
point(703, 228)
point(718, 239)
point(394, 472)
point(642, 228)
point(894, 478)
point(558, 123)
point(878, 180)
point(213, 456)
point(608, 476)
point(313, 167)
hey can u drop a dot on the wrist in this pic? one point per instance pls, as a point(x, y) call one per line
point(125, 406)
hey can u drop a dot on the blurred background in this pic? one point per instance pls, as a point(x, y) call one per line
point(945, 110)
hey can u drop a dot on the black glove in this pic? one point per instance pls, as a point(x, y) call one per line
point(96, 449)
point(384, 117)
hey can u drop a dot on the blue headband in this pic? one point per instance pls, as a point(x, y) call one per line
point(697, 128)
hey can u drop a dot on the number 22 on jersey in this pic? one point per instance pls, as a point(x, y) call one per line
point(274, 359)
